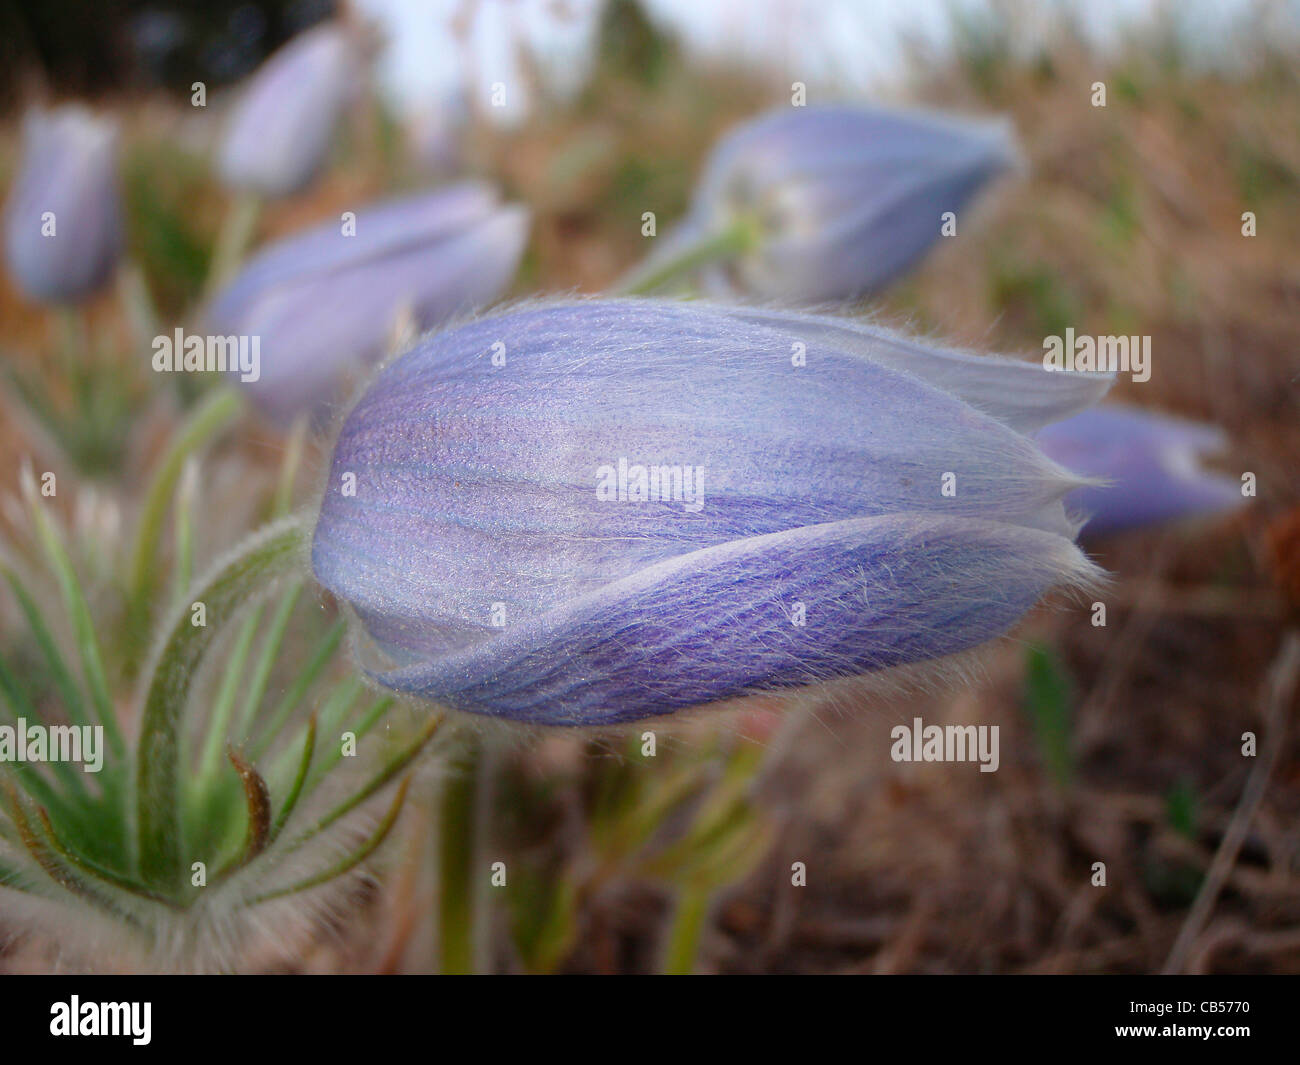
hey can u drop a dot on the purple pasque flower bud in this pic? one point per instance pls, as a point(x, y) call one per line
point(593, 512)
point(840, 200)
point(1149, 466)
point(63, 218)
point(323, 303)
point(278, 137)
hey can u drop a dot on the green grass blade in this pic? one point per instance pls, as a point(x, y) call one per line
point(83, 628)
point(255, 690)
point(216, 410)
point(283, 501)
point(69, 691)
point(335, 706)
point(295, 789)
point(690, 911)
point(1047, 701)
point(392, 768)
point(310, 673)
point(218, 723)
point(368, 720)
point(183, 525)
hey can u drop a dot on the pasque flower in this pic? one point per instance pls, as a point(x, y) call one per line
point(830, 203)
point(63, 223)
point(1147, 468)
point(325, 301)
point(594, 512)
point(279, 134)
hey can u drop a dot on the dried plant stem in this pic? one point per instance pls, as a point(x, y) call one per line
point(1278, 690)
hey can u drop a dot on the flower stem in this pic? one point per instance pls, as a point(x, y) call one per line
point(741, 236)
point(683, 942)
point(462, 818)
point(138, 304)
point(232, 241)
point(75, 347)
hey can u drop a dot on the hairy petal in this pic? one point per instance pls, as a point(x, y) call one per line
point(848, 198)
point(1150, 464)
point(1025, 395)
point(323, 303)
point(382, 231)
point(476, 484)
point(721, 622)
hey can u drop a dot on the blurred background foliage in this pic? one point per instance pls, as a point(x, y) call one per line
point(111, 46)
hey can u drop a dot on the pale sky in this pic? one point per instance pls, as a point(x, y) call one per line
point(849, 46)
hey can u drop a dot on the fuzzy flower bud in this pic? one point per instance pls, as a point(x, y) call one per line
point(63, 223)
point(595, 512)
point(835, 202)
point(279, 135)
point(325, 301)
point(1148, 466)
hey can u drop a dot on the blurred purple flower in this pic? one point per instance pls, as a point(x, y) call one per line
point(483, 514)
point(63, 221)
point(843, 200)
point(323, 303)
point(279, 135)
point(1150, 461)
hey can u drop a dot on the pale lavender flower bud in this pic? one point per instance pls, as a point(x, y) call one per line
point(1149, 463)
point(842, 200)
point(594, 512)
point(63, 221)
point(279, 135)
point(323, 303)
